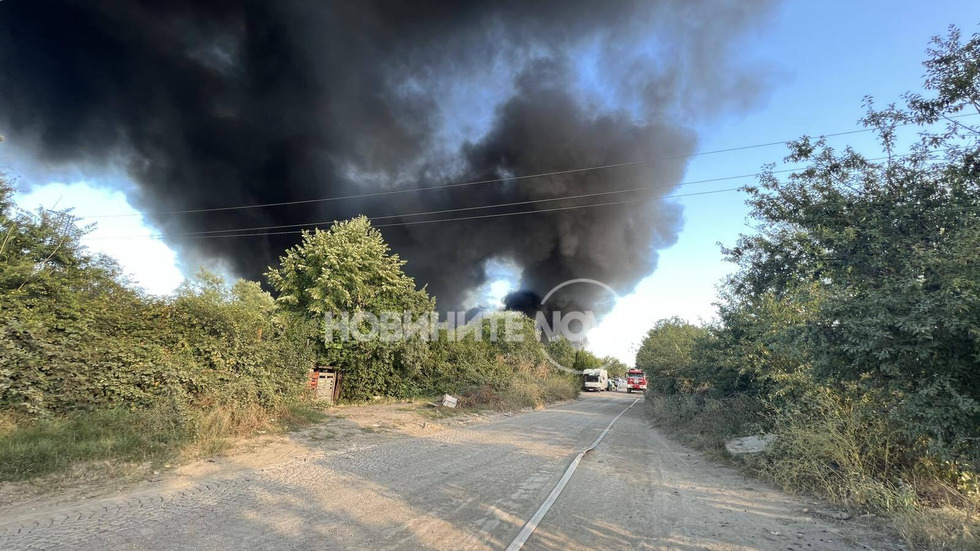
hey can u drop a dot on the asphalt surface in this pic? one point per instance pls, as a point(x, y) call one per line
point(471, 487)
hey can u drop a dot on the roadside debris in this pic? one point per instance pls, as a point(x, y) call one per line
point(447, 401)
point(750, 444)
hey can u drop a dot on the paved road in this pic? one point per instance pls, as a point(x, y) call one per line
point(470, 487)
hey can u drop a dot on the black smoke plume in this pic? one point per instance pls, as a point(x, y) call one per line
point(220, 103)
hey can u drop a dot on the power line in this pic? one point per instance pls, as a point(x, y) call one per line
point(484, 216)
point(495, 205)
point(245, 231)
point(412, 223)
point(491, 180)
point(212, 233)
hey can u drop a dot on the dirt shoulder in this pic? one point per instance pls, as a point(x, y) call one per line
point(640, 490)
point(345, 428)
point(392, 477)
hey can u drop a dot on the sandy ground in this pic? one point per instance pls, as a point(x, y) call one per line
point(344, 427)
point(390, 477)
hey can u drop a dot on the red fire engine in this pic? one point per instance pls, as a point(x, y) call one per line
point(635, 380)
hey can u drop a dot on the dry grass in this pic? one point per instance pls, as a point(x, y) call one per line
point(943, 528)
point(851, 456)
point(530, 387)
point(703, 423)
point(34, 448)
point(174, 432)
point(839, 452)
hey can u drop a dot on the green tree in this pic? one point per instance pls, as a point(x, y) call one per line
point(347, 270)
point(875, 263)
point(665, 355)
point(561, 351)
point(756, 349)
point(586, 360)
point(614, 366)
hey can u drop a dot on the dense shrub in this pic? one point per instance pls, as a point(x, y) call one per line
point(854, 316)
point(862, 278)
point(666, 355)
point(339, 273)
point(348, 269)
point(76, 336)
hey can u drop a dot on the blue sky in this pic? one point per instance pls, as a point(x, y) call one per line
point(826, 56)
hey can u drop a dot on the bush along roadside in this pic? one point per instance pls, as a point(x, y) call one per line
point(94, 369)
point(836, 451)
point(849, 329)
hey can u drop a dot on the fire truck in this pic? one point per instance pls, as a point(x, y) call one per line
point(635, 381)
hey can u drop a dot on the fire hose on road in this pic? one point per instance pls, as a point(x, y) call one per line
point(528, 529)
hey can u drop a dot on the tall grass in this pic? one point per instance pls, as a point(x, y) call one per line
point(704, 423)
point(844, 452)
point(34, 448)
point(31, 448)
point(531, 386)
point(841, 451)
point(850, 454)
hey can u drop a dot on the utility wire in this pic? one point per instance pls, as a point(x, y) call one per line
point(248, 232)
point(491, 180)
point(478, 217)
point(547, 210)
point(495, 205)
point(412, 223)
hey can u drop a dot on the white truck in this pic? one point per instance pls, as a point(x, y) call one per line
point(595, 379)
